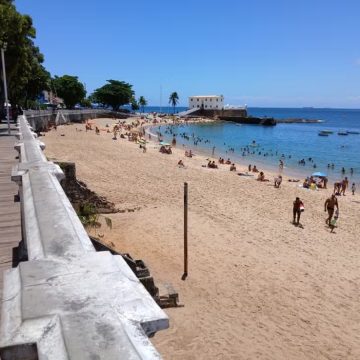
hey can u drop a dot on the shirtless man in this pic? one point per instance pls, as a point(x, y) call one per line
point(344, 185)
point(296, 211)
point(337, 187)
point(330, 204)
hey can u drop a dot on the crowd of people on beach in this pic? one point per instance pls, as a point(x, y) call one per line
point(314, 183)
point(135, 131)
point(252, 149)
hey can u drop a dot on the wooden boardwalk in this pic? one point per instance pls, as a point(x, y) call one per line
point(10, 223)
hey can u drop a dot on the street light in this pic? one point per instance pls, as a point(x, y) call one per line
point(3, 49)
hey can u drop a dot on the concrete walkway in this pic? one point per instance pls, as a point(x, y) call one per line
point(10, 223)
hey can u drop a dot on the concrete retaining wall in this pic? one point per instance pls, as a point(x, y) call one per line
point(213, 113)
point(40, 120)
point(68, 301)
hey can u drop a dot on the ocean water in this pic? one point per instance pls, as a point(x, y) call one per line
point(163, 109)
point(290, 142)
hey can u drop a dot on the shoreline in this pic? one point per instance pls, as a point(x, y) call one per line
point(294, 171)
point(205, 155)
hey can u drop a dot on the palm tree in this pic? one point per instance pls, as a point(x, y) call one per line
point(142, 102)
point(174, 99)
point(134, 104)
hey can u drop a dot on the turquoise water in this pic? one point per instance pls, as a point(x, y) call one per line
point(166, 109)
point(290, 142)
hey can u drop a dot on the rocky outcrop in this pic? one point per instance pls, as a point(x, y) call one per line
point(79, 194)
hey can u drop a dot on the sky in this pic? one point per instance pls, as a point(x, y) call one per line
point(269, 53)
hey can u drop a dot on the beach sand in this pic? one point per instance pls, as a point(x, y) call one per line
point(258, 286)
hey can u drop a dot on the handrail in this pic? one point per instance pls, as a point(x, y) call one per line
point(68, 301)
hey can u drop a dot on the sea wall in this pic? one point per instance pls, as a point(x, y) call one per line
point(68, 301)
point(214, 113)
point(40, 120)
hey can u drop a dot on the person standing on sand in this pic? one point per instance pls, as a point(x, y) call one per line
point(329, 205)
point(344, 185)
point(298, 206)
point(337, 188)
point(281, 165)
point(353, 188)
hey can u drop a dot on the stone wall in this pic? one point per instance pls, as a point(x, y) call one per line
point(41, 120)
point(213, 113)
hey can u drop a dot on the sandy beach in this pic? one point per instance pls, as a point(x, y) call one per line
point(258, 286)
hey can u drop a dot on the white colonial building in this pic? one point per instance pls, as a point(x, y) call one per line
point(206, 102)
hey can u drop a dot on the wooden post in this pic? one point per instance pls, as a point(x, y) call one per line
point(185, 232)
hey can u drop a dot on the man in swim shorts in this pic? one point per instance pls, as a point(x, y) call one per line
point(297, 211)
point(330, 204)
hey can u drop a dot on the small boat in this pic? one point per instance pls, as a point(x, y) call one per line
point(327, 131)
point(354, 132)
point(343, 133)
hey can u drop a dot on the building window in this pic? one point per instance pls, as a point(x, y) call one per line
point(198, 106)
point(206, 106)
point(216, 106)
point(217, 99)
point(205, 99)
point(197, 99)
point(210, 99)
point(191, 99)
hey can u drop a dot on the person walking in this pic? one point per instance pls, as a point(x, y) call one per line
point(298, 208)
point(330, 205)
point(344, 186)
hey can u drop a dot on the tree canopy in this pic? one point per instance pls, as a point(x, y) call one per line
point(115, 94)
point(26, 76)
point(70, 89)
point(134, 104)
point(142, 103)
point(174, 99)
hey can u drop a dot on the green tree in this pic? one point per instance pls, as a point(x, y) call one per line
point(173, 100)
point(142, 102)
point(70, 89)
point(86, 103)
point(134, 104)
point(26, 76)
point(115, 94)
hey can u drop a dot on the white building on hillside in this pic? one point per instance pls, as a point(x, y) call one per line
point(206, 102)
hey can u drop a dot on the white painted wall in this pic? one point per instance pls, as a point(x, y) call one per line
point(208, 102)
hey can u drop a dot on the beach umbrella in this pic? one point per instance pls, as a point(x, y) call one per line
point(319, 174)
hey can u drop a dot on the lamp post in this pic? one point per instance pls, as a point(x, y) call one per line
point(3, 49)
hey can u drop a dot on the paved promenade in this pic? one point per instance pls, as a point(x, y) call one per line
point(10, 225)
